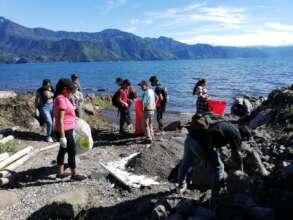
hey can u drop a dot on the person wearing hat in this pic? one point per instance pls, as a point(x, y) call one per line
point(74, 79)
point(161, 100)
point(149, 106)
point(64, 125)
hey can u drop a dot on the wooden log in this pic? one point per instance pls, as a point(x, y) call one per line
point(4, 156)
point(4, 181)
point(15, 157)
point(14, 165)
point(49, 147)
point(23, 159)
point(6, 139)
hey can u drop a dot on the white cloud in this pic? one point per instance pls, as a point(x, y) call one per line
point(134, 21)
point(257, 38)
point(231, 17)
point(112, 4)
point(279, 26)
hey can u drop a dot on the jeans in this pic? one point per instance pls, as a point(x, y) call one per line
point(124, 117)
point(160, 112)
point(70, 149)
point(46, 113)
point(193, 150)
point(148, 124)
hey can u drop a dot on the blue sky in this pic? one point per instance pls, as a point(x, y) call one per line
point(217, 22)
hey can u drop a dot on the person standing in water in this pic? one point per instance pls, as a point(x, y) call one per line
point(202, 96)
point(44, 106)
point(64, 125)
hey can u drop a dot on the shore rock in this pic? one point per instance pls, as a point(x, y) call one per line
point(68, 205)
point(7, 94)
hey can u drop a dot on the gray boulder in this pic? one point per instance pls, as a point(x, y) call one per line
point(68, 205)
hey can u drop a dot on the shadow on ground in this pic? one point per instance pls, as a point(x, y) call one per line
point(34, 177)
point(27, 135)
point(108, 138)
point(137, 209)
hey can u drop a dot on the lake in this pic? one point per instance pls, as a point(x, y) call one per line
point(226, 77)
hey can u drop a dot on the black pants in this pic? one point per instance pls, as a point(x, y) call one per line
point(124, 117)
point(160, 113)
point(70, 149)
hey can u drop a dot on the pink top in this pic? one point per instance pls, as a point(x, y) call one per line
point(63, 103)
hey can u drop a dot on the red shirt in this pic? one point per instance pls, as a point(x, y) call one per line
point(123, 95)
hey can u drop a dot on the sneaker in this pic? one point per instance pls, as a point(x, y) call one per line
point(62, 176)
point(50, 139)
point(78, 177)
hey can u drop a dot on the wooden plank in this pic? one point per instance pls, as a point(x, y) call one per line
point(14, 165)
point(4, 156)
point(118, 170)
point(20, 161)
point(6, 139)
point(15, 157)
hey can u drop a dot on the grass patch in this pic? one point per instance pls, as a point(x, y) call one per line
point(8, 147)
point(103, 101)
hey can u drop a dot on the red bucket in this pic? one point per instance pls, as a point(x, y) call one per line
point(139, 129)
point(217, 107)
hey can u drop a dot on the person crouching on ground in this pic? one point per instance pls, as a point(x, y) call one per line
point(64, 124)
point(44, 106)
point(124, 107)
point(161, 100)
point(203, 141)
point(149, 106)
point(202, 96)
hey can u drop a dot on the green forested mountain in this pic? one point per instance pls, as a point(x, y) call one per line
point(19, 44)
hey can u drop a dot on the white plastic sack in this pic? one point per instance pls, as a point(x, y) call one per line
point(83, 136)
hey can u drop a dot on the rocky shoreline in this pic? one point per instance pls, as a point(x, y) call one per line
point(35, 189)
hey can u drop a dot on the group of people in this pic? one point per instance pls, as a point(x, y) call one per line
point(58, 109)
point(152, 100)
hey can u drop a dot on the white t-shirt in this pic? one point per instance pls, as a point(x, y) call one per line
point(149, 100)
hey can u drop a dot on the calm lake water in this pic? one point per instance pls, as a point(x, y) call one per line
point(226, 77)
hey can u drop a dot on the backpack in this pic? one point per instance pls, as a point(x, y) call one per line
point(204, 121)
point(115, 99)
point(165, 94)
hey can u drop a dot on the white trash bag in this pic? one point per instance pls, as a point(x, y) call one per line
point(83, 136)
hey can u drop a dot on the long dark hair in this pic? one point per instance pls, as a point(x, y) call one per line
point(200, 82)
point(45, 83)
point(62, 84)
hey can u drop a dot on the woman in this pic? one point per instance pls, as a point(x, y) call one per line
point(64, 124)
point(44, 106)
point(202, 94)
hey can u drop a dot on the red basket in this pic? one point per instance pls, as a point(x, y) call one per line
point(217, 107)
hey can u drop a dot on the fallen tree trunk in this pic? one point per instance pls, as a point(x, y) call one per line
point(4, 156)
point(6, 139)
point(15, 157)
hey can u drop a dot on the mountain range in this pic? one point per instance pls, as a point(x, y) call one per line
point(19, 44)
